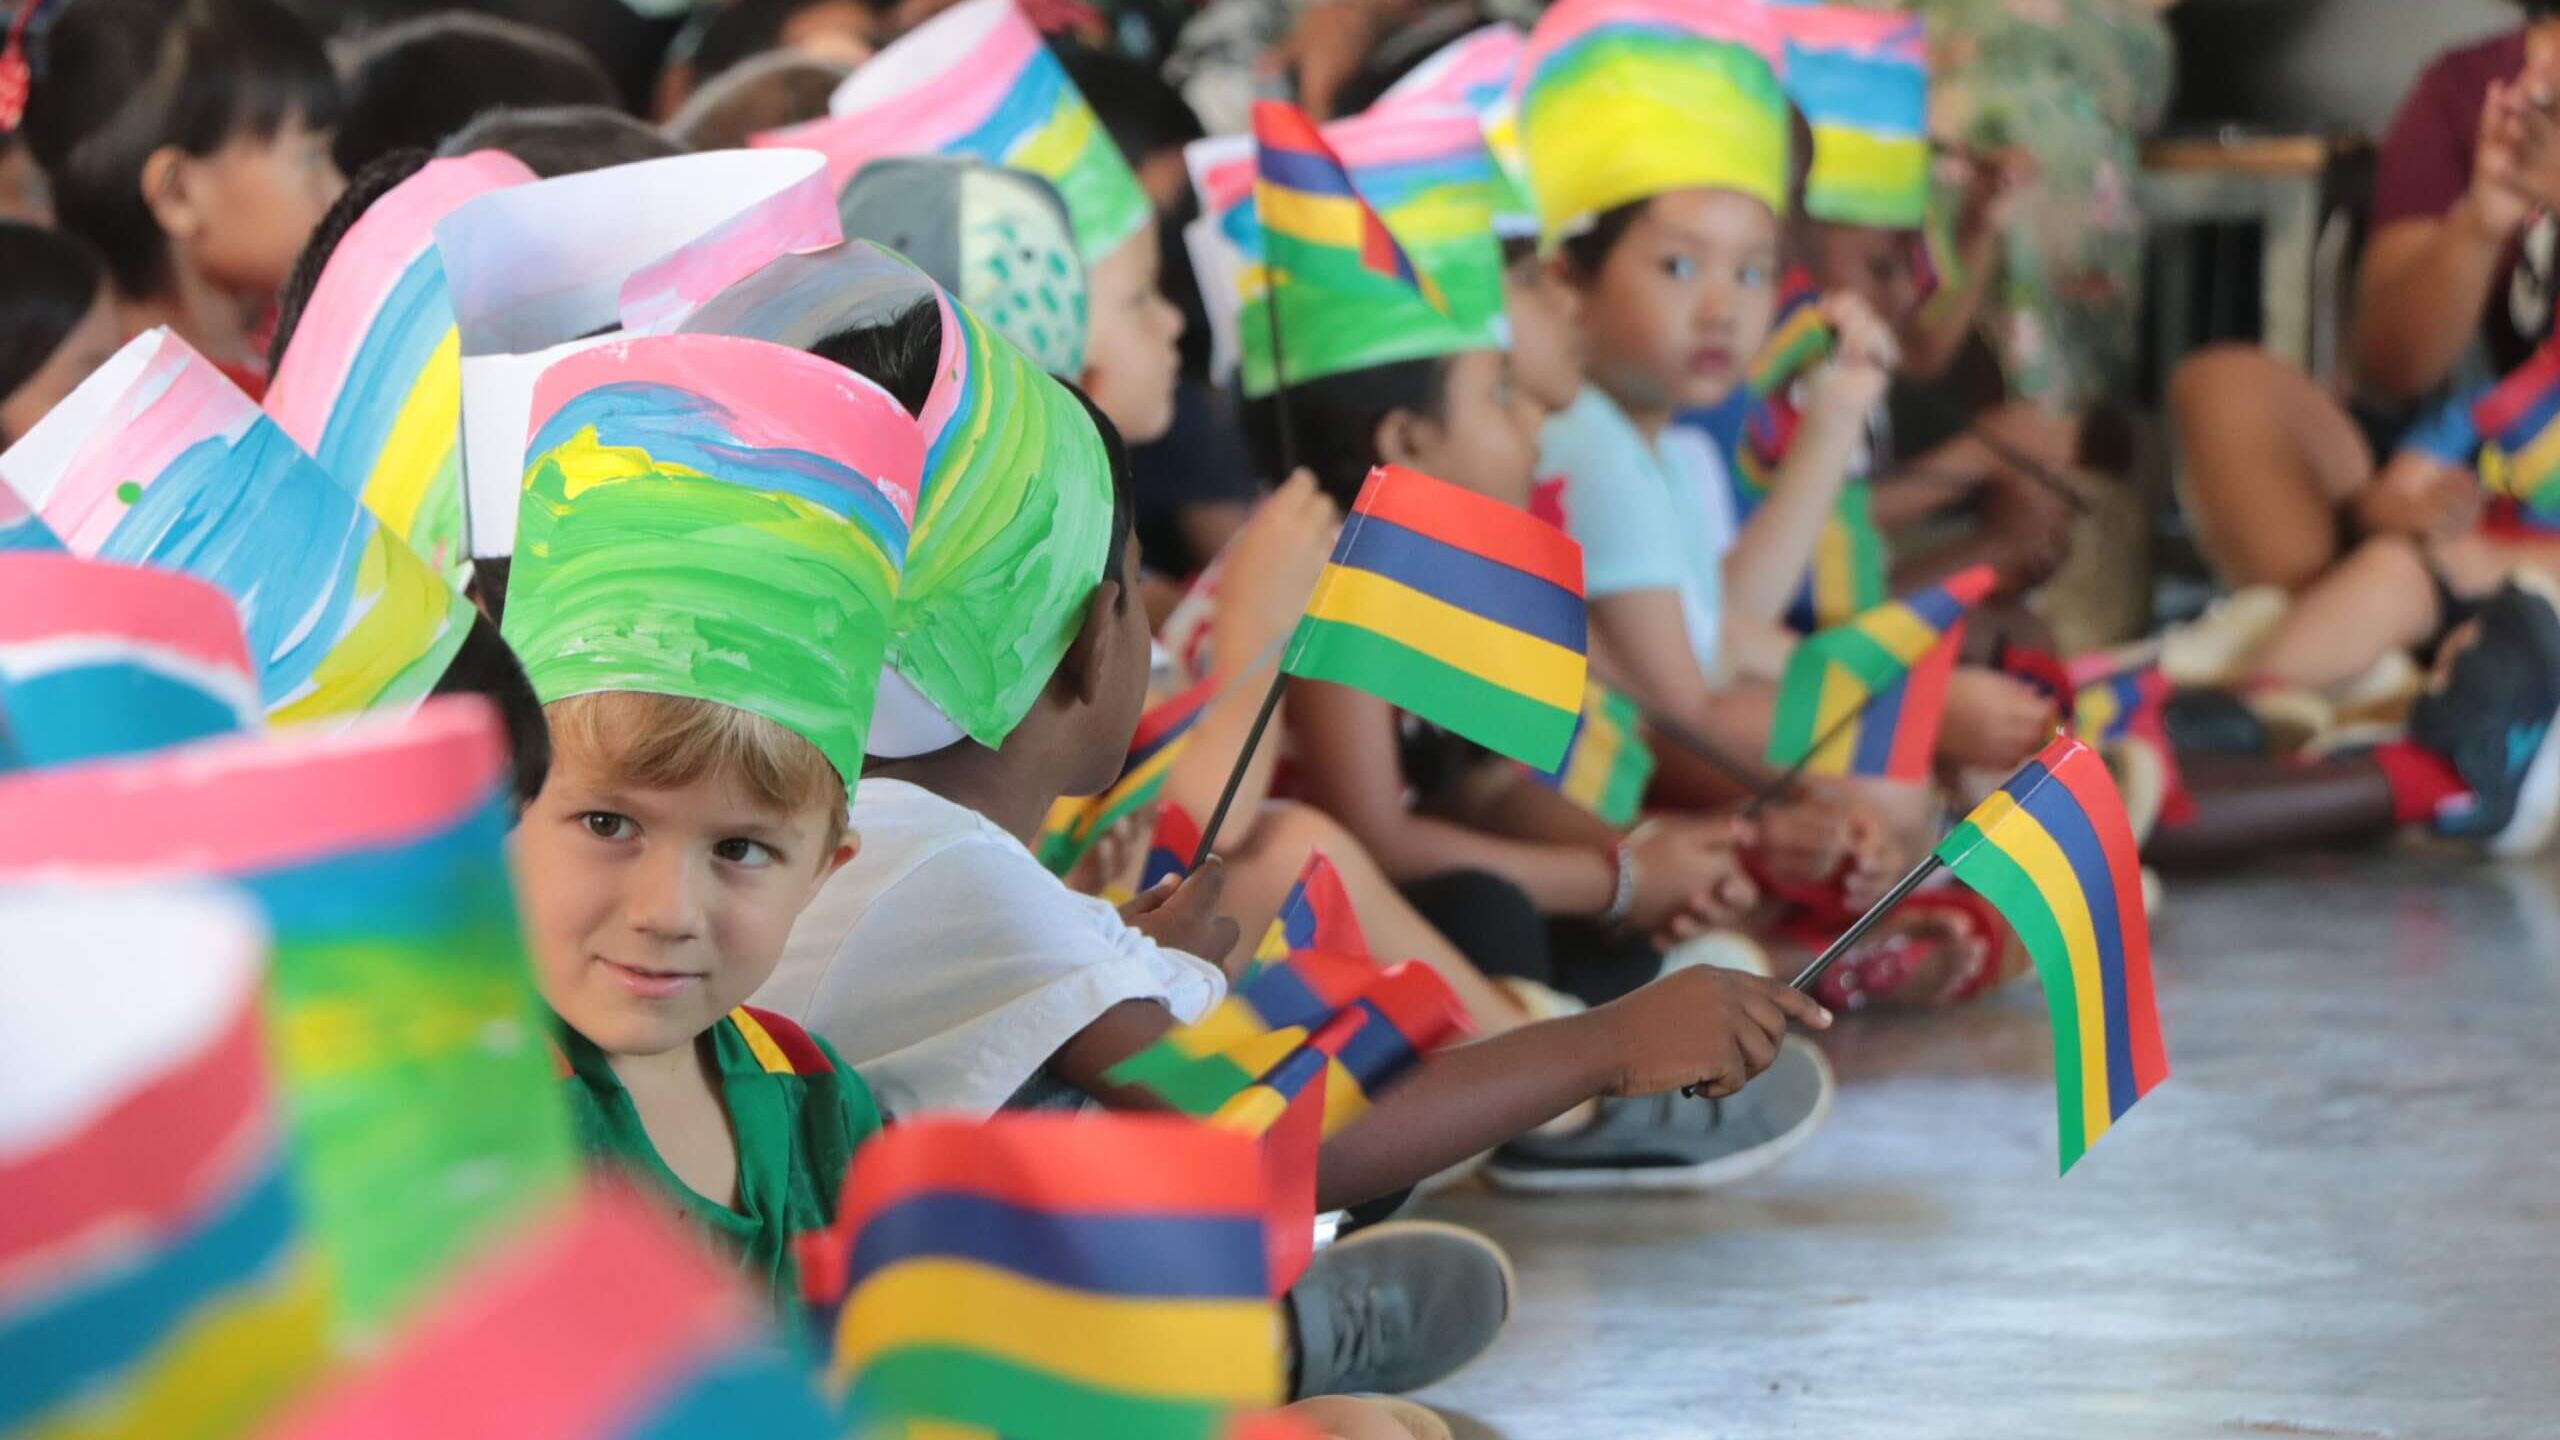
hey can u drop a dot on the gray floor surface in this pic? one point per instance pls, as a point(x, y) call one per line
point(2339, 1217)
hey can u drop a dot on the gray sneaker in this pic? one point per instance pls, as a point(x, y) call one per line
point(1396, 1307)
point(1668, 1142)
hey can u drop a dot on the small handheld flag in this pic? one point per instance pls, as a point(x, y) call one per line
point(1051, 1276)
point(1866, 698)
point(1314, 222)
point(1317, 915)
point(1169, 851)
point(2520, 421)
point(1607, 764)
point(2053, 852)
point(1158, 742)
point(1461, 609)
point(1801, 341)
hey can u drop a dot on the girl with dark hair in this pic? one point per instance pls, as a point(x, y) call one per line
point(188, 143)
point(57, 322)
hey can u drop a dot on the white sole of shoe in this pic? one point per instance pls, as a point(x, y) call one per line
point(1668, 1179)
point(2537, 803)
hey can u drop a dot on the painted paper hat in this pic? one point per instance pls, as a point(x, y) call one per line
point(978, 80)
point(541, 271)
point(718, 518)
point(99, 660)
point(420, 1098)
point(667, 1341)
point(1426, 174)
point(159, 460)
point(1012, 521)
point(1861, 77)
point(20, 529)
point(1477, 72)
point(155, 1274)
point(371, 383)
point(998, 239)
point(1623, 100)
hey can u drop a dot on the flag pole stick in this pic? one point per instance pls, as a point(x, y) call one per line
point(1811, 975)
point(1777, 789)
point(1235, 777)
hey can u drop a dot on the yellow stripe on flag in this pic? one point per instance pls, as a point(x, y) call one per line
point(1165, 1349)
point(1515, 660)
point(1325, 219)
point(2024, 840)
point(1900, 631)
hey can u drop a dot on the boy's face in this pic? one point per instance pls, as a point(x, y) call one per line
point(1683, 301)
point(250, 207)
point(90, 344)
point(652, 913)
point(1133, 357)
point(1874, 265)
point(1486, 438)
point(1546, 333)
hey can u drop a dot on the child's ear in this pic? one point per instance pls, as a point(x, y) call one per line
point(1087, 663)
point(1398, 439)
point(168, 185)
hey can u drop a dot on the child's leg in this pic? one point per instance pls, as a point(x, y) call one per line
point(1275, 850)
point(2265, 459)
point(2249, 808)
point(1343, 1417)
point(2383, 596)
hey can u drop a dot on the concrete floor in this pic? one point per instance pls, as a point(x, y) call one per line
point(2339, 1217)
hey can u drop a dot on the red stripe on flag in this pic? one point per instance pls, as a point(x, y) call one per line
point(1924, 707)
point(1288, 1175)
point(1473, 523)
point(2085, 776)
point(1061, 1164)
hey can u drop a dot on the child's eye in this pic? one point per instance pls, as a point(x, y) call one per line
point(749, 853)
point(605, 825)
point(1680, 267)
point(1753, 275)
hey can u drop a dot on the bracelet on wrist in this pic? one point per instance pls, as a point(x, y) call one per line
point(1622, 894)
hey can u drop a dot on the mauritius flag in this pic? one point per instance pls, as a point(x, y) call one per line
point(1054, 1275)
point(1459, 608)
point(2520, 418)
point(1865, 698)
point(1608, 763)
point(2053, 852)
point(1317, 915)
point(1313, 222)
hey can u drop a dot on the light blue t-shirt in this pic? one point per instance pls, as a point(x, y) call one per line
point(1649, 516)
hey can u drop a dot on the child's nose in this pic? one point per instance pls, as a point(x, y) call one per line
point(666, 898)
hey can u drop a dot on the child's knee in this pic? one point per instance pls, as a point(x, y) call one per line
point(2218, 379)
point(1286, 830)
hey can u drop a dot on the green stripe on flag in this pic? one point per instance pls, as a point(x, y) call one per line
point(1500, 720)
point(1192, 1084)
point(1986, 867)
point(969, 1387)
point(1798, 723)
point(1869, 578)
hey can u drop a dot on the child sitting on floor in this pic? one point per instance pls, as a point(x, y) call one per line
point(189, 145)
point(706, 733)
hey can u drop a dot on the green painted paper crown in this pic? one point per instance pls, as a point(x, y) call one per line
point(718, 518)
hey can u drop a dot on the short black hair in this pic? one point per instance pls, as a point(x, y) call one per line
point(117, 80)
point(48, 281)
point(412, 84)
point(1138, 108)
point(557, 140)
point(1334, 421)
point(902, 354)
point(725, 36)
point(768, 92)
point(380, 178)
point(1588, 251)
point(487, 666)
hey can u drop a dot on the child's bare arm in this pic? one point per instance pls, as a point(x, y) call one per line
point(1775, 547)
point(1354, 774)
point(1703, 1026)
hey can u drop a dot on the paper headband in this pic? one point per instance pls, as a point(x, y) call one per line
point(1623, 100)
point(98, 660)
point(159, 460)
point(371, 383)
point(978, 80)
point(538, 272)
point(1861, 77)
point(717, 518)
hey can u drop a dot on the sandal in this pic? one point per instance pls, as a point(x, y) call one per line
point(1971, 951)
